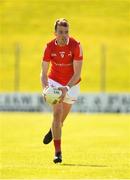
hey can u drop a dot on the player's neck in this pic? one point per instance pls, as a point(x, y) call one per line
point(59, 43)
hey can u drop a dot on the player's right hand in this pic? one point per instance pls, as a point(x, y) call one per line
point(43, 93)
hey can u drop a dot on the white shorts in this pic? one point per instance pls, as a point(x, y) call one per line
point(71, 95)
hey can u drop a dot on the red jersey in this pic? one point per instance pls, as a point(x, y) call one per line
point(61, 58)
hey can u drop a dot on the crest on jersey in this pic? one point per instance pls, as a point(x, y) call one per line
point(62, 54)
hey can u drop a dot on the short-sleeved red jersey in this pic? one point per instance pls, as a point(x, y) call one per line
point(61, 58)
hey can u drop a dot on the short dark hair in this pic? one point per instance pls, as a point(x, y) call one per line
point(61, 22)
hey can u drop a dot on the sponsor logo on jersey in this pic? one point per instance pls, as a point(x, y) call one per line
point(53, 55)
point(70, 53)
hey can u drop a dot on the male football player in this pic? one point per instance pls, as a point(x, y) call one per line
point(64, 54)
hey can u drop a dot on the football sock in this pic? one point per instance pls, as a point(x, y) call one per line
point(57, 145)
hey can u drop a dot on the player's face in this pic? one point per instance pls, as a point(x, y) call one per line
point(62, 34)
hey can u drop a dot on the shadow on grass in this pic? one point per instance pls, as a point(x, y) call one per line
point(83, 165)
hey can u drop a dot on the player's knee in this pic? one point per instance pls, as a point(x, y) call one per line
point(57, 124)
point(58, 114)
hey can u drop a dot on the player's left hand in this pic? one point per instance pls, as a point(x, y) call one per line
point(64, 91)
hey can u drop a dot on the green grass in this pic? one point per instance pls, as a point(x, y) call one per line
point(93, 22)
point(94, 146)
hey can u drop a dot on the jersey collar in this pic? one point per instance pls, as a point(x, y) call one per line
point(66, 44)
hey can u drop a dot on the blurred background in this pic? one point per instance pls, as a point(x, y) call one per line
point(102, 27)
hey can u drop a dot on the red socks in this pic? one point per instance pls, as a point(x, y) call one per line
point(57, 145)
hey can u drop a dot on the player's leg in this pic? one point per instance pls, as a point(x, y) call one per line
point(66, 109)
point(67, 104)
point(56, 130)
point(56, 123)
point(60, 112)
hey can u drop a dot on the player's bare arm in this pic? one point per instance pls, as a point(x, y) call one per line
point(43, 75)
point(77, 65)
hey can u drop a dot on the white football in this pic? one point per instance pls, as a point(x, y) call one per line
point(52, 95)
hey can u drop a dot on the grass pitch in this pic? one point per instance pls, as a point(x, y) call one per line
point(94, 147)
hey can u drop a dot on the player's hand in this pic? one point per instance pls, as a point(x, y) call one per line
point(64, 91)
point(44, 90)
